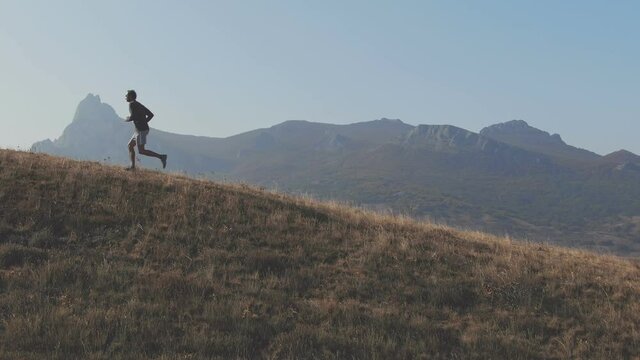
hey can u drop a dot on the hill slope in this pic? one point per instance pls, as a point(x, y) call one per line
point(96, 262)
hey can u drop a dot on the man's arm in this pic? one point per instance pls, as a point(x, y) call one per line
point(147, 113)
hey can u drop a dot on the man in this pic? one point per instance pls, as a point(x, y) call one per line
point(140, 116)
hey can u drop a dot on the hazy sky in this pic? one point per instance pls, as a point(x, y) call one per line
point(218, 68)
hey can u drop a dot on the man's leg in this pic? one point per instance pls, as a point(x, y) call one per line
point(154, 154)
point(132, 153)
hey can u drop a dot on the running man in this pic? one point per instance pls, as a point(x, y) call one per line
point(140, 116)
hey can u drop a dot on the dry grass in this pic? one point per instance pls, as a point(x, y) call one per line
point(96, 262)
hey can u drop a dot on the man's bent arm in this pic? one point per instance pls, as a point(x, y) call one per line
point(148, 114)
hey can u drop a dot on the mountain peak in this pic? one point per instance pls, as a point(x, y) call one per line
point(622, 156)
point(91, 98)
point(395, 121)
point(519, 133)
point(622, 152)
point(91, 108)
point(515, 124)
point(520, 129)
point(383, 123)
point(291, 122)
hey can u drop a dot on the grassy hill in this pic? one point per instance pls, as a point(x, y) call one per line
point(96, 262)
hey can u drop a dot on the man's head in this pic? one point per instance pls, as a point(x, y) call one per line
point(131, 95)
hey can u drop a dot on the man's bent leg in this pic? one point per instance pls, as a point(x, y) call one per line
point(146, 152)
point(143, 151)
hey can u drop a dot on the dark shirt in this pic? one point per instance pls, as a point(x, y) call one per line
point(140, 115)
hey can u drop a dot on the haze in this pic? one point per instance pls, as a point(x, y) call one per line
point(218, 68)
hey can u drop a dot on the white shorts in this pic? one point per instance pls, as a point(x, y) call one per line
point(140, 137)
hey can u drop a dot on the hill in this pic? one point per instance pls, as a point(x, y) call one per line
point(96, 262)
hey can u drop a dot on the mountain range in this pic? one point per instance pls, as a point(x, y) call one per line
point(510, 178)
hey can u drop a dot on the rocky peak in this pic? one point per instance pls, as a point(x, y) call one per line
point(522, 130)
point(513, 125)
point(92, 109)
point(441, 137)
point(520, 134)
point(621, 157)
point(393, 121)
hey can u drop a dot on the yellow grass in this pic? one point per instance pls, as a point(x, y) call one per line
point(96, 262)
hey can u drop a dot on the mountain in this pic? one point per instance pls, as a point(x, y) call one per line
point(91, 134)
point(98, 133)
point(98, 262)
point(529, 184)
point(519, 133)
point(475, 149)
point(621, 157)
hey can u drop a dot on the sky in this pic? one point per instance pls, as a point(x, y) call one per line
point(219, 68)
